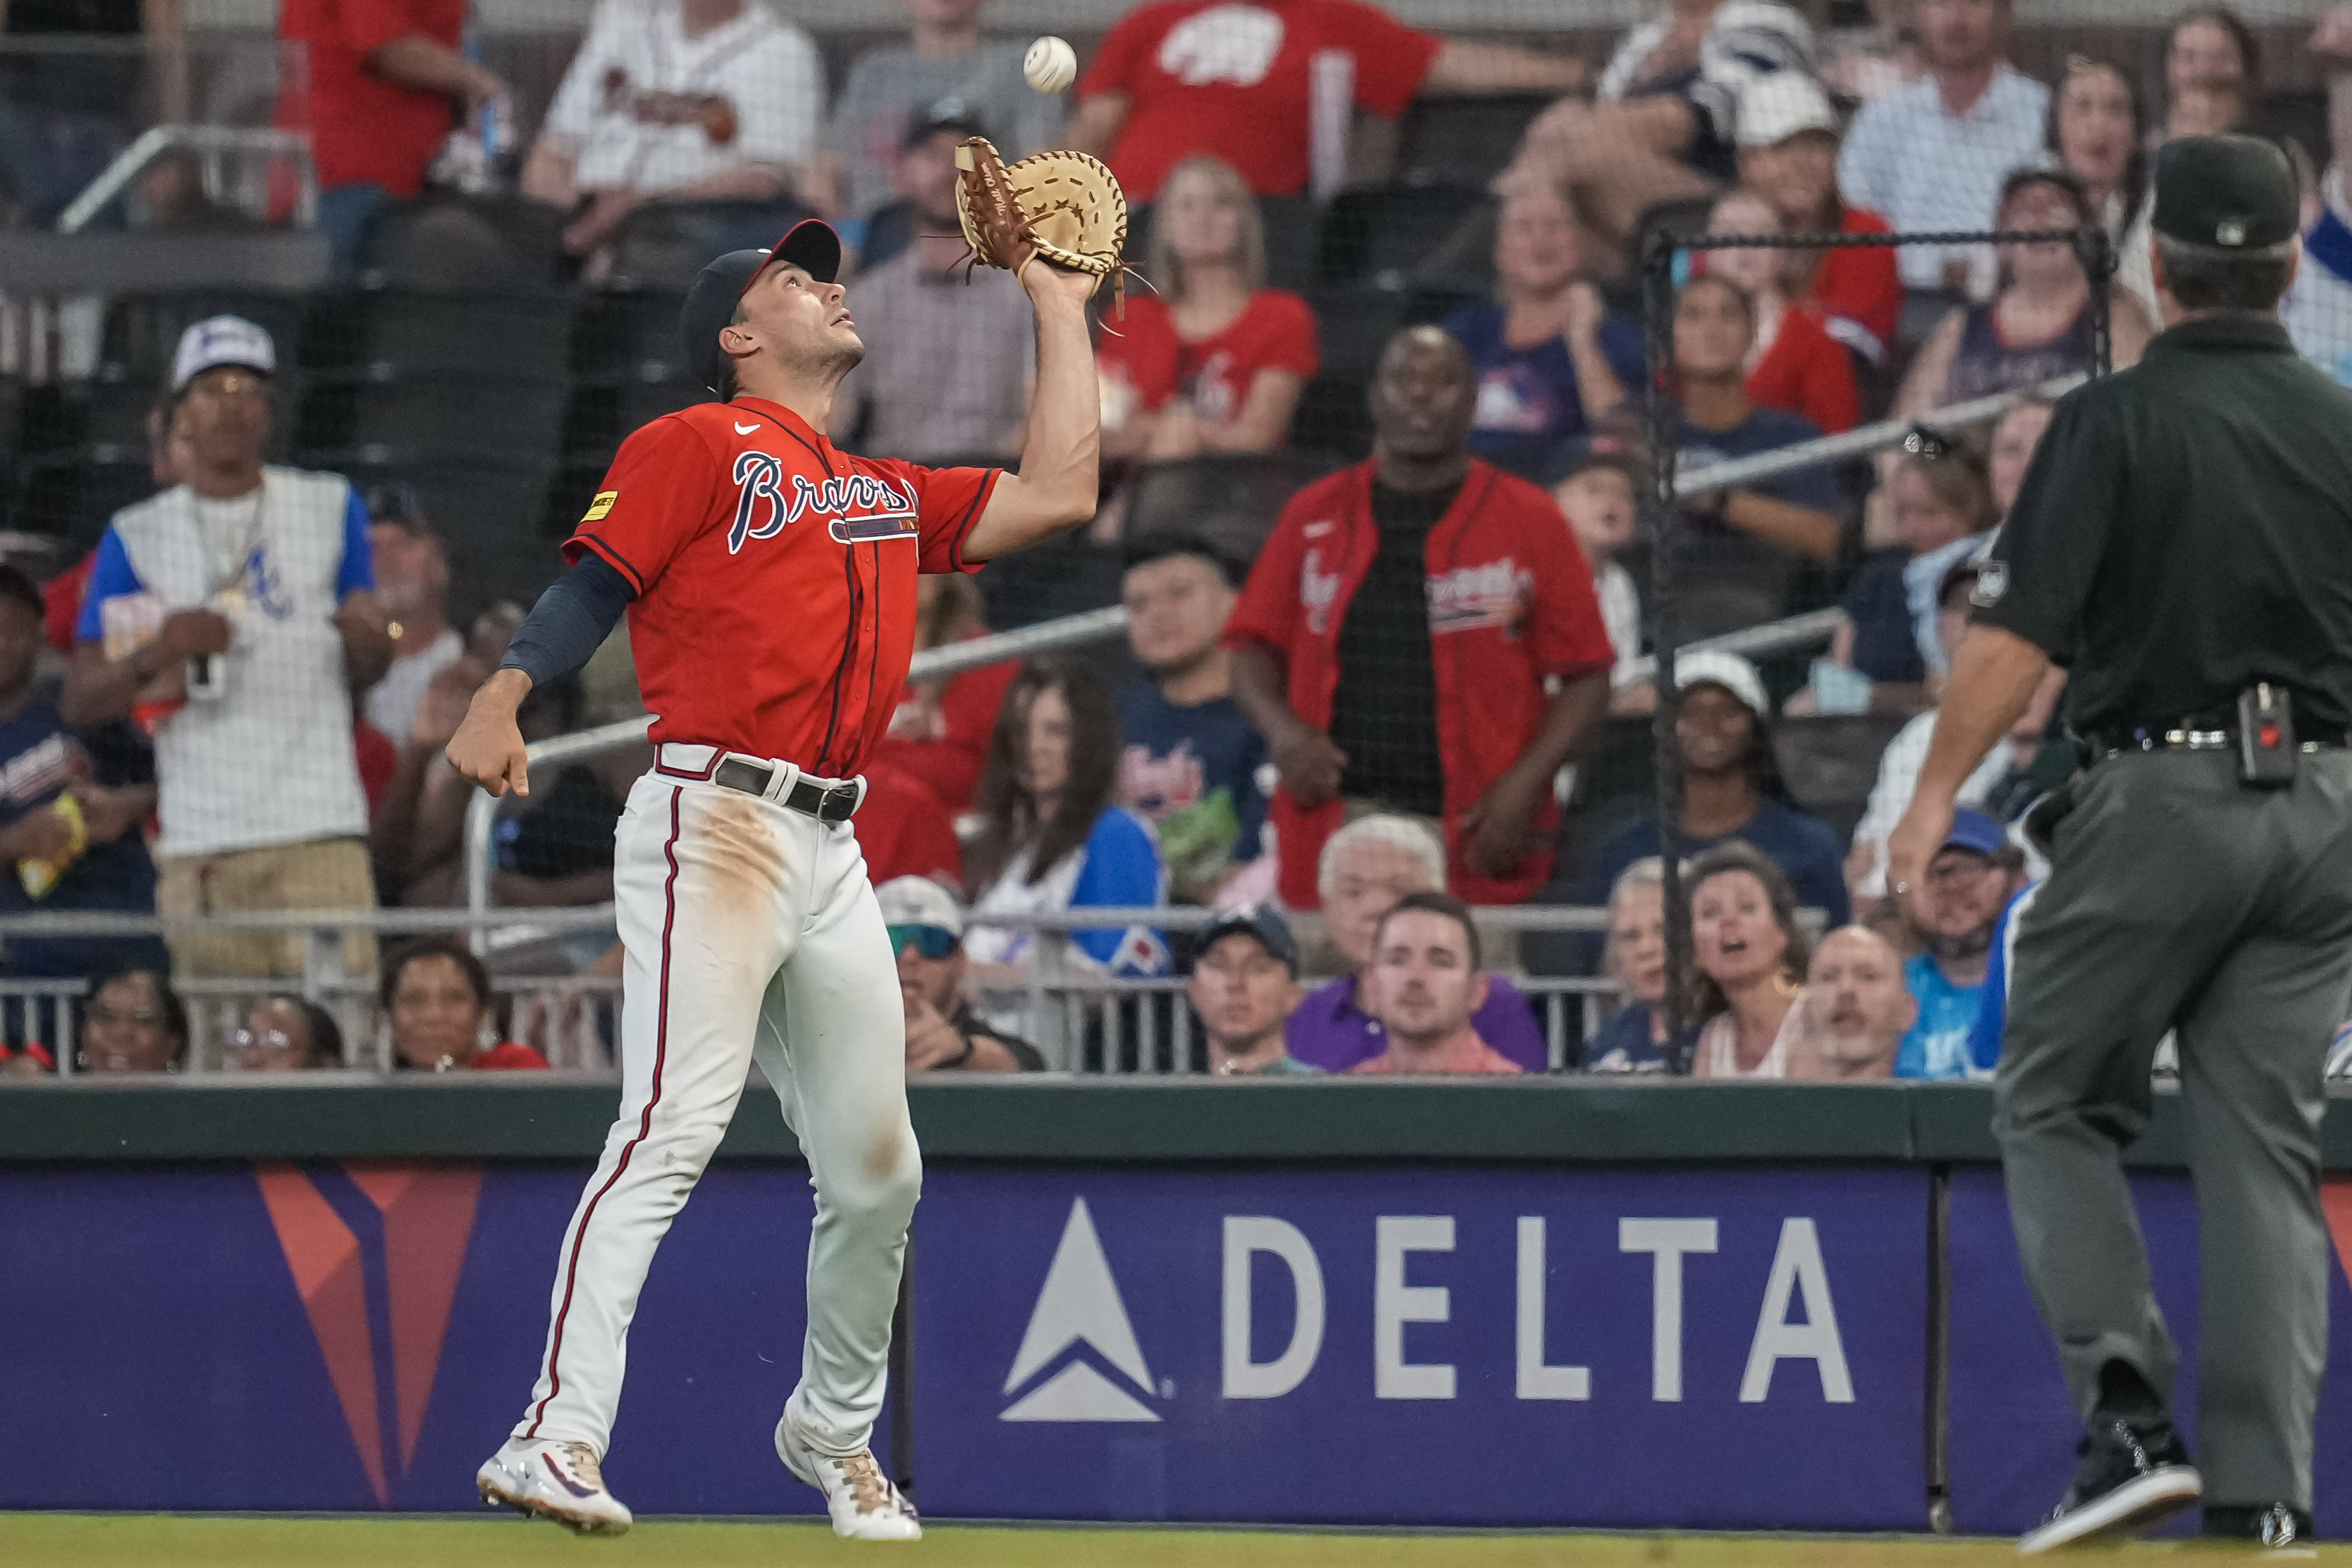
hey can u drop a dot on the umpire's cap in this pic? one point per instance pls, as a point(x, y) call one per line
point(810, 245)
point(2231, 194)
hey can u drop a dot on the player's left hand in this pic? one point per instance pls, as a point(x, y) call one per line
point(1496, 828)
point(1912, 844)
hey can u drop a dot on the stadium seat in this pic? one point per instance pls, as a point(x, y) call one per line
point(624, 334)
point(142, 330)
point(1353, 325)
point(71, 495)
point(1060, 577)
point(1333, 417)
point(1831, 761)
point(663, 245)
point(1386, 235)
point(1463, 141)
point(1229, 501)
point(443, 411)
point(489, 510)
point(518, 330)
point(444, 240)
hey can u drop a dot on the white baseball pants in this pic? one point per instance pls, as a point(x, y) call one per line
point(751, 928)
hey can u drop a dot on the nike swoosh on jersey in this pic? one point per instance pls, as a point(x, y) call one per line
point(747, 429)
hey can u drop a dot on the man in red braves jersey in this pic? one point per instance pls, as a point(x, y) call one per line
point(769, 580)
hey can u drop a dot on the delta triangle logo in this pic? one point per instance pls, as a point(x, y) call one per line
point(1079, 1321)
point(375, 1249)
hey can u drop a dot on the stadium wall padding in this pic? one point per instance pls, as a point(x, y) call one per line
point(1539, 1304)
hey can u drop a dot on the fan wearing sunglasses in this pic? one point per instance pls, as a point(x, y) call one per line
point(942, 1032)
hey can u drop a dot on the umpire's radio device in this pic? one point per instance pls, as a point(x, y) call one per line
point(2267, 751)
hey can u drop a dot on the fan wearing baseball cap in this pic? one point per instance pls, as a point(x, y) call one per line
point(1731, 789)
point(1969, 882)
point(1788, 141)
point(1244, 986)
point(235, 612)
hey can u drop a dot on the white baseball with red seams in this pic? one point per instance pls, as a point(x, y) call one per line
point(1051, 64)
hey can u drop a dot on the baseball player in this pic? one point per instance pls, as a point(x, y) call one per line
point(770, 584)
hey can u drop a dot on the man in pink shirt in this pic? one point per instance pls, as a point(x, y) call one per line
point(1425, 981)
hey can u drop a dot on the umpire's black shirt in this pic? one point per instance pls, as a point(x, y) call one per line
point(2185, 530)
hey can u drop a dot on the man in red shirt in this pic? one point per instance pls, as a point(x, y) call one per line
point(1248, 83)
point(1788, 153)
point(1393, 639)
point(769, 580)
point(385, 82)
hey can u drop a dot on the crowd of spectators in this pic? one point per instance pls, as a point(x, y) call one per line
point(1364, 709)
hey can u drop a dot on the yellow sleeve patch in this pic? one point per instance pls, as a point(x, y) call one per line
point(601, 505)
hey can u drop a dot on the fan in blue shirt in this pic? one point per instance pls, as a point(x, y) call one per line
point(1731, 789)
point(1191, 763)
point(56, 855)
point(1969, 884)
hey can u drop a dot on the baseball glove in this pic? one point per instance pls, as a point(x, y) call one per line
point(1065, 207)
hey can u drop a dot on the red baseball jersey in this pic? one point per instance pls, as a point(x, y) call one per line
point(1209, 76)
point(775, 577)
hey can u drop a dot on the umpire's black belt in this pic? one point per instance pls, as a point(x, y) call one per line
point(2182, 735)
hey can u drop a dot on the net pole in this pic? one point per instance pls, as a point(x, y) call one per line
point(1666, 547)
point(2098, 257)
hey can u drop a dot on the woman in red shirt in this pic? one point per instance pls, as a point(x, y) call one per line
point(1795, 365)
point(1217, 361)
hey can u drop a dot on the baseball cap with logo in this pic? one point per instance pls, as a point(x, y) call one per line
point(220, 340)
point(1261, 924)
point(913, 906)
point(1779, 105)
point(1714, 666)
point(2235, 193)
point(810, 245)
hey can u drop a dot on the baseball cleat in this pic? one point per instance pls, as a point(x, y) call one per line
point(2128, 1479)
point(864, 1504)
point(559, 1481)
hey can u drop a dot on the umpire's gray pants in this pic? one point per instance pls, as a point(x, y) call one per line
point(2180, 897)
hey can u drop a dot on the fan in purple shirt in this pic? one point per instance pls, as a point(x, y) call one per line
point(1365, 869)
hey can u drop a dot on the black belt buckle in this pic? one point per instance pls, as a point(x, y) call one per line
point(836, 803)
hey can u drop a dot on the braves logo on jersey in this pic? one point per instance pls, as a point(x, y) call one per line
point(856, 508)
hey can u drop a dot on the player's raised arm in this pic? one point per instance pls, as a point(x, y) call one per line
point(1061, 468)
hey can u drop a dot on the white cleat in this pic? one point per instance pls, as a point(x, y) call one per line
point(864, 1504)
point(553, 1480)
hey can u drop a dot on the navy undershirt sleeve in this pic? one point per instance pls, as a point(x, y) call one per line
point(569, 622)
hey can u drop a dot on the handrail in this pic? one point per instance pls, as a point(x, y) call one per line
point(153, 141)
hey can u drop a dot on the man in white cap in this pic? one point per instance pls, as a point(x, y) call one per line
point(235, 613)
point(943, 1033)
point(1731, 789)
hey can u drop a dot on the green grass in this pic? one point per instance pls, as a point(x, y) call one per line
point(219, 1541)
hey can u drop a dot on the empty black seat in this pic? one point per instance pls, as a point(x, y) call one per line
point(1831, 761)
point(444, 240)
point(142, 330)
point(663, 245)
point(72, 495)
point(485, 330)
point(1463, 141)
point(1229, 501)
point(1353, 326)
point(453, 411)
point(1333, 415)
point(628, 334)
point(488, 509)
point(1386, 234)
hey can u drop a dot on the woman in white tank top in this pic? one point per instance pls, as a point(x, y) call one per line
point(1751, 958)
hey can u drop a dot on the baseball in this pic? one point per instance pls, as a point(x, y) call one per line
point(1051, 64)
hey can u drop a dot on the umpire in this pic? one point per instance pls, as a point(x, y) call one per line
point(2183, 546)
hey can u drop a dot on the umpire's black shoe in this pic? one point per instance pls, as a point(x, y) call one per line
point(2274, 1530)
point(2126, 1479)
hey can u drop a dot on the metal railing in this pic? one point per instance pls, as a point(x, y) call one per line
point(1081, 1019)
point(1097, 625)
